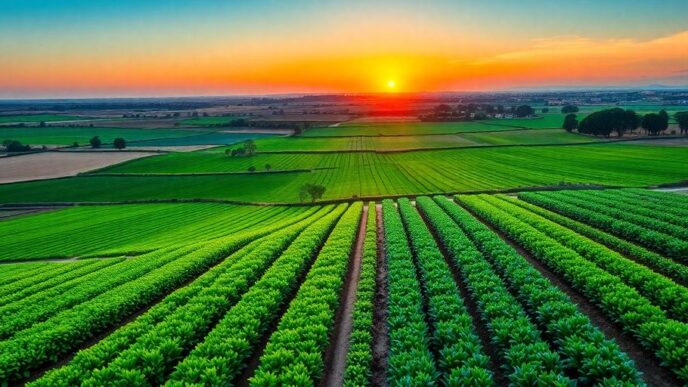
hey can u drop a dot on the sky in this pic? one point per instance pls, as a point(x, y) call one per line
point(105, 48)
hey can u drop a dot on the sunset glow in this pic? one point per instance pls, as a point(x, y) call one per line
point(149, 49)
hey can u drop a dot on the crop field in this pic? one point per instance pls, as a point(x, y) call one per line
point(31, 118)
point(405, 129)
point(494, 289)
point(204, 138)
point(81, 135)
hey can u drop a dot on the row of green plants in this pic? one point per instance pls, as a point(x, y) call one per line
point(661, 201)
point(154, 354)
point(666, 266)
point(460, 355)
point(14, 273)
point(584, 349)
point(99, 355)
point(40, 282)
point(653, 240)
point(295, 352)
point(621, 303)
point(21, 279)
point(526, 358)
point(632, 213)
point(409, 360)
point(44, 304)
point(46, 342)
point(665, 293)
point(224, 352)
point(359, 357)
point(616, 199)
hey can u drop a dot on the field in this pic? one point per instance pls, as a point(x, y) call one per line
point(35, 118)
point(490, 288)
point(50, 165)
point(404, 129)
point(191, 138)
point(81, 135)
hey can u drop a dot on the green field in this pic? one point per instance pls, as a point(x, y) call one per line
point(29, 118)
point(81, 135)
point(366, 174)
point(205, 121)
point(124, 229)
point(404, 129)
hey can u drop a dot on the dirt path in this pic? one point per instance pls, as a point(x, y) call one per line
point(380, 335)
point(334, 376)
point(645, 362)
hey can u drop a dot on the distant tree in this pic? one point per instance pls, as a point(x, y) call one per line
point(490, 109)
point(15, 146)
point(95, 142)
point(205, 114)
point(665, 119)
point(653, 123)
point(631, 121)
point(251, 168)
point(570, 122)
point(268, 167)
point(75, 144)
point(175, 114)
point(315, 192)
point(42, 124)
point(250, 147)
point(682, 119)
point(443, 109)
point(499, 108)
point(524, 111)
point(545, 110)
point(119, 143)
point(569, 109)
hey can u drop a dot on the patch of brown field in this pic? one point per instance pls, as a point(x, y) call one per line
point(50, 165)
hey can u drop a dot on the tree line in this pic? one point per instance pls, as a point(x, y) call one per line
point(619, 121)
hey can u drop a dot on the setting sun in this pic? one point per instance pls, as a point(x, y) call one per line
point(391, 84)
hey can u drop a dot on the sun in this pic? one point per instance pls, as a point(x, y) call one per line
point(391, 84)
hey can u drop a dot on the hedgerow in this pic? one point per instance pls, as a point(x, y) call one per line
point(666, 338)
point(359, 356)
point(526, 358)
point(295, 352)
point(460, 353)
point(583, 347)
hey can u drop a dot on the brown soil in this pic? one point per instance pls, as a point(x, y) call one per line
point(380, 336)
point(49, 165)
point(335, 358)
point(645, 361)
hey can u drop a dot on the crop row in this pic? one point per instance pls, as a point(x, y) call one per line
point(38, 283)
point(618, 199)
point(666, 338)
point(155, 353)
point(663, 198)
point(460, 356)
point(359, 357)
point(224, 352)
point(663, 265)
point(295, 352)
point(660, 290)
point(659, 242)
point(526, 357)
point(409, 359)
point(581, 345)
point(45, 342)
point(632, 213)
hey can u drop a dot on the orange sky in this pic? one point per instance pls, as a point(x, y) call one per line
point(351, 54)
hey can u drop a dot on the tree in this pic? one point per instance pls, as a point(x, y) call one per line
point(570, 122)
point(15, 146)
point(42, 124)
point(250, 147)
point(75, 144)
point(653, 123)
point(251, 168)
point(569, 109)
point(665, 119)
point(95, 142)
point(682, 119)
point(119, 143)
point(315, 192)
point(631, 121)
point(604, 122)
point(268, 167)
point(524, 111)
point(545, 110)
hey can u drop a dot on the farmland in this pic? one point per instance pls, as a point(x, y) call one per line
point(36, 118)
point(81, 135)
point(490, 288)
